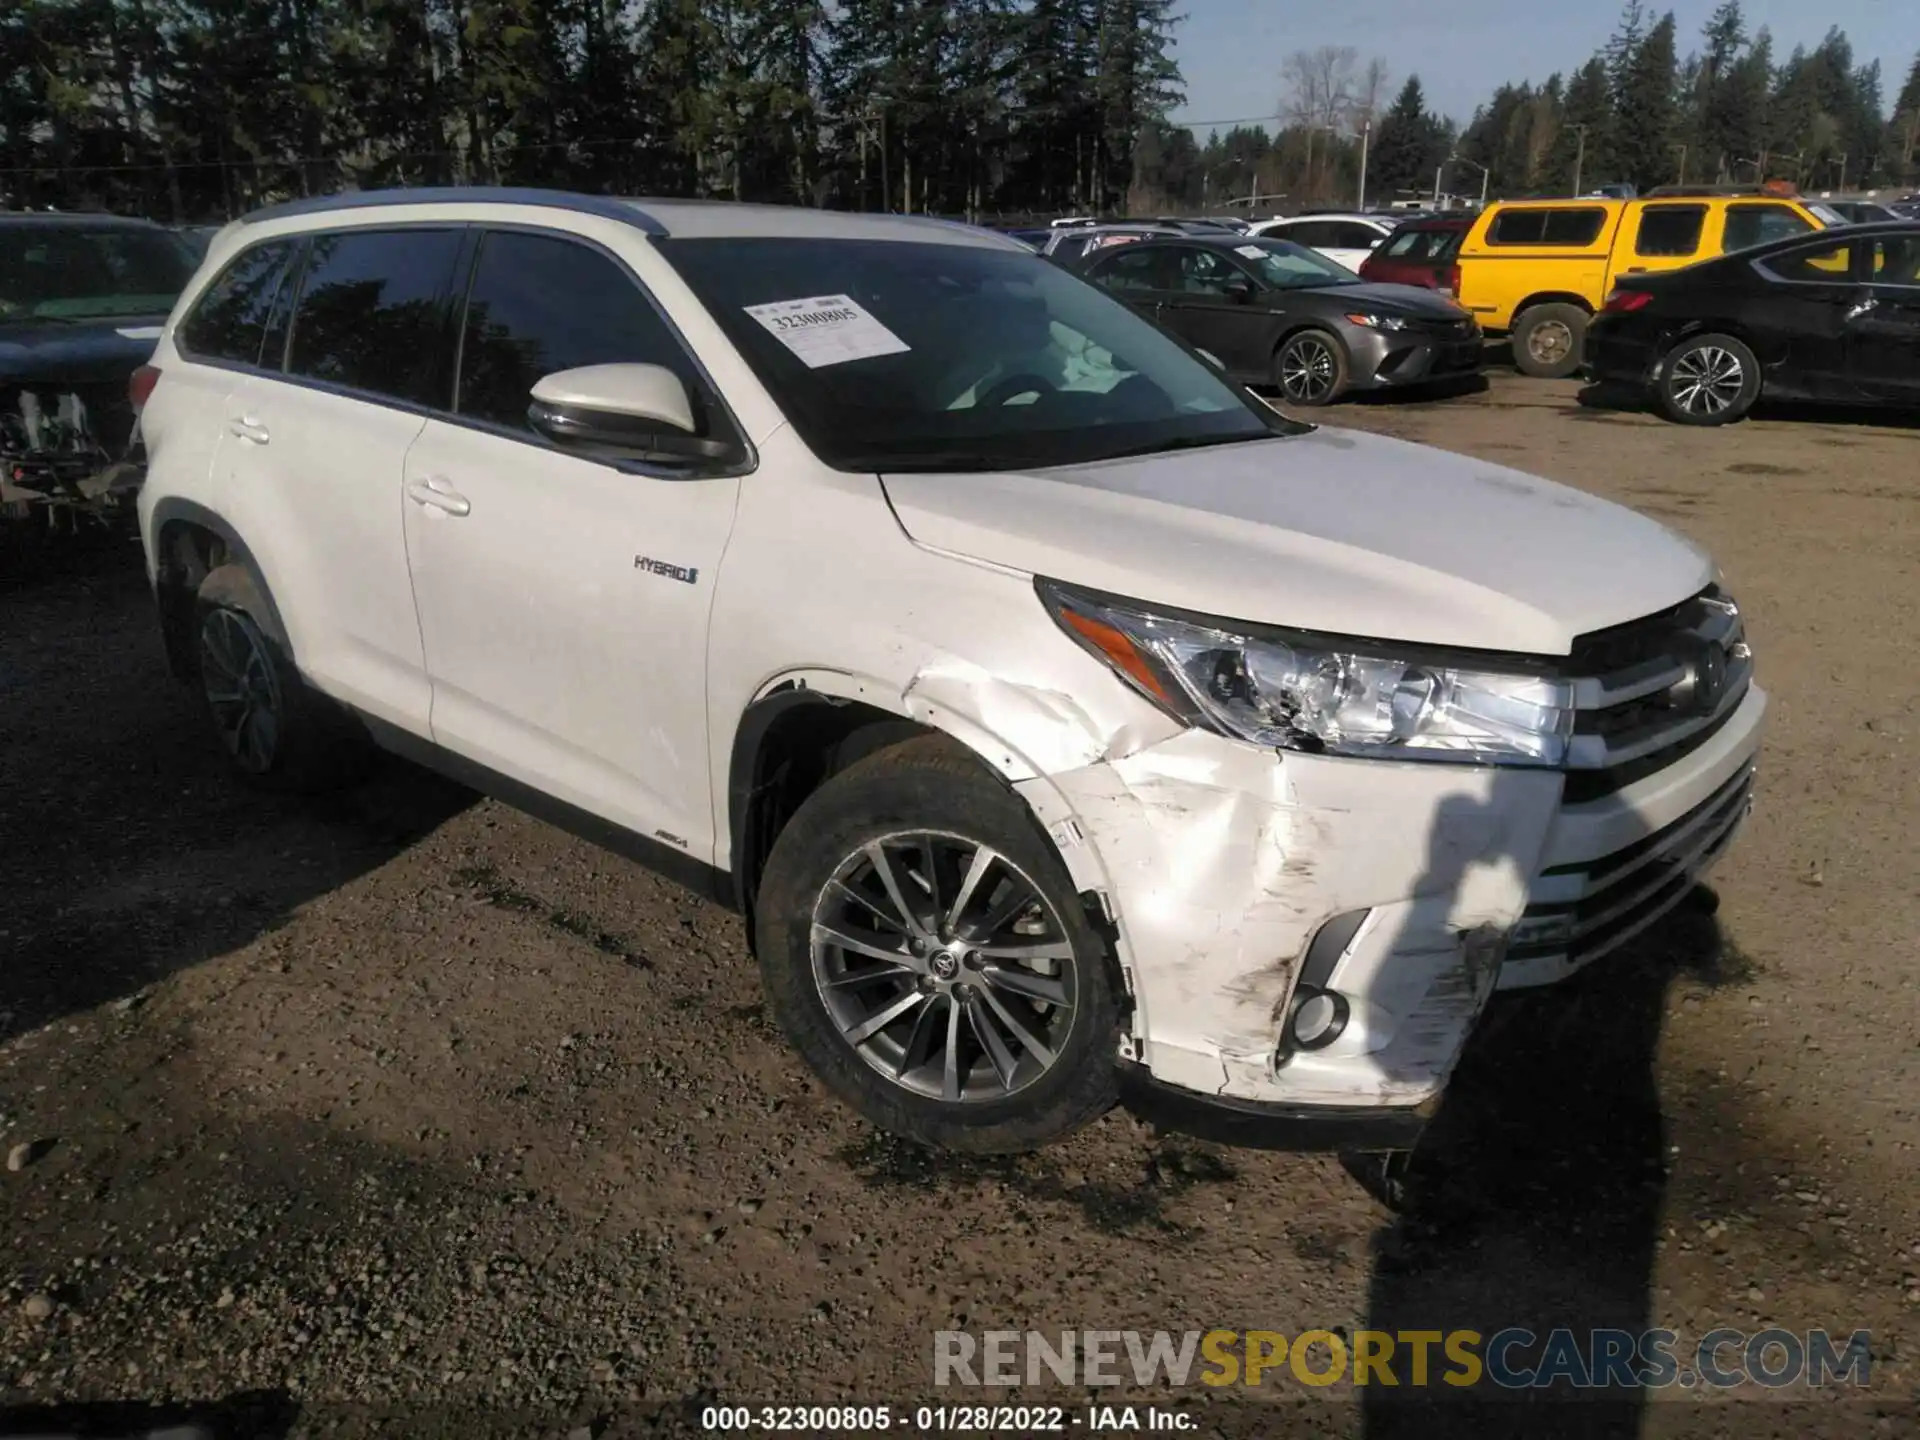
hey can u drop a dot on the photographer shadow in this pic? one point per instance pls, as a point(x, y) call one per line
point(1534, 1198)
point(247, 1415)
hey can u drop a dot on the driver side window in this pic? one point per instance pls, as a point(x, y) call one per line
point(1201, 272)
point(1132, 268)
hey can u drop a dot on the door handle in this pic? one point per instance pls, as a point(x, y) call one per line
point(248, 428)
point(1636, 269)
point(439, 495)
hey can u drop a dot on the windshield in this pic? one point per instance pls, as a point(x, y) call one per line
point(899, 355)
point(79, 272)
point(1287, 266)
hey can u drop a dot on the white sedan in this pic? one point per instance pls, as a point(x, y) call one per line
point(1344, 239)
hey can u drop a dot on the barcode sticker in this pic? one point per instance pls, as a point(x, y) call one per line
point(827, 330)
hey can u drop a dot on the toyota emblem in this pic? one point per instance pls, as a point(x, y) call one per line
point(1710, 679)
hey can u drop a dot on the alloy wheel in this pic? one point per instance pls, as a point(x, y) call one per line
point(1307, 370)
point(944, 967)
point(237, 676)
point(1707, 380)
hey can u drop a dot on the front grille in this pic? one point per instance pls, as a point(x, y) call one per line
point(1582, 910)
point(1648, 692)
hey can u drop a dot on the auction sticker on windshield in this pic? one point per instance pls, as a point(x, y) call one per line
point(1252, 252)
point(827, 330)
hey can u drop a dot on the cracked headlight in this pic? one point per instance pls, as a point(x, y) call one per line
point(1325, 694)
point(1379, 322)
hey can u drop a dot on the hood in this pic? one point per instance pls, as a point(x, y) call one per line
point(1388, 299)
point(1333, 530)
point(79, 353)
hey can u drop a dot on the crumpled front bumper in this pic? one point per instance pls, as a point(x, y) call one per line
point(1225, 862)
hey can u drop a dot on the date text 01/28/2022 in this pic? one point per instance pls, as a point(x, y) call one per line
point(943, 1419)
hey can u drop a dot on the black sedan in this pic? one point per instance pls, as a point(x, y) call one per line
point(1275, 313)
point(1832, 316)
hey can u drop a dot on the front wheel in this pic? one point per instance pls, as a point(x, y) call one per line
point(1311, 368)
point(1709, 380)
point(924, 949)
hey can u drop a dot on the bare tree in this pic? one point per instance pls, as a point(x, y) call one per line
point(1319, 86)
point(1368, 93)
point(1325, 91)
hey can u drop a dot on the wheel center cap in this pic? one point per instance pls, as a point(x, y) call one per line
point(944, 964)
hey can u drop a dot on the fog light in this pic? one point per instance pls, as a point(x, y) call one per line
point(1318, 1018)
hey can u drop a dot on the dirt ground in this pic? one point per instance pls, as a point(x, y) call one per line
point(406, 1110)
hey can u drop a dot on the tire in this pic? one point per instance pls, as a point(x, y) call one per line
point(1310, 368)
point(1026, 1070)
point(278, 732)
point(1708, 380)
point(1550, 341)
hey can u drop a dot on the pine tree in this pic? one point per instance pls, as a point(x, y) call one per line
point(1409, 146)
point(1902, 146)
point(1581, 156)
point(1796, 125)
point(1730, 106)
point(1644, 110)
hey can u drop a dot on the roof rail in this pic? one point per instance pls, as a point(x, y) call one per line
point(1771, 188)
point(606, 206)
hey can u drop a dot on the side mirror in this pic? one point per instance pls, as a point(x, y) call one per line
point(620, 405)
point(626, 412)
point(1240, 289)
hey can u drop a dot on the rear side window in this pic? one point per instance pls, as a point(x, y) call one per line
point(1070, 248)
point(372, 312)
point(1421, 244)
point(1355, 237)
point(230, 321)
point(1749, 225)
point(539, 304)
point(1670, 230)
point(1571, 227)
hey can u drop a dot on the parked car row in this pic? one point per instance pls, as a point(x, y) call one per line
point(1273, 313)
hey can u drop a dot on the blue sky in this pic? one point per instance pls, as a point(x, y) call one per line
point(1230, 51)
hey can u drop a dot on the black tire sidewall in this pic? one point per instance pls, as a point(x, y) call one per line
point(1749, 381)
point(1342, 367)
point(1535, 316)
point(931, 785)
point(319, 745)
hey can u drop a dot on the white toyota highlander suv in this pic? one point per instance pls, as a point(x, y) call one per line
point(1058, 715)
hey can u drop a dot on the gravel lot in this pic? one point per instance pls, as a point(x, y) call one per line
point(405, 1110)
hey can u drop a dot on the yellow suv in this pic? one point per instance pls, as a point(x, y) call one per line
point(1540, 269)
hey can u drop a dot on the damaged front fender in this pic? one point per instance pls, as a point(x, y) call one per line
point(1226, 860)
point(1218, 863)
